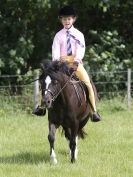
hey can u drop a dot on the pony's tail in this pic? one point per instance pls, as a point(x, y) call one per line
point(82, 134)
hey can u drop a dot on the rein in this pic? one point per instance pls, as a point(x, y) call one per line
point(32, 81)
point(54, 97)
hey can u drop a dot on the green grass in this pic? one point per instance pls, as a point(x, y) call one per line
point(107, 151)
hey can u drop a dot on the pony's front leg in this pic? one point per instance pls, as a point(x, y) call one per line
point(73, 144)
point(51, 138)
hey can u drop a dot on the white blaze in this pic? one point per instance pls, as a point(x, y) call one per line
point(47, 81)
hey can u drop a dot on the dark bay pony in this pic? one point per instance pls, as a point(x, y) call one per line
point(67, 105)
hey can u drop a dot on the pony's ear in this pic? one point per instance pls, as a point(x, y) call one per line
point(42, 71)
point(45, 65)
point(64, 67)
point(42, 66)
point(56, 66)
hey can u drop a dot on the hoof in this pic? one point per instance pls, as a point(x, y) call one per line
point(39, 111)
point(53, 161)
point(96, 117)
point(73, 160)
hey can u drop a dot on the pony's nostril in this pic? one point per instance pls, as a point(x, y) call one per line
point(44, 102)
point(48, 102)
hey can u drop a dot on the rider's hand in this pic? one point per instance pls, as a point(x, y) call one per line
point(74, 66)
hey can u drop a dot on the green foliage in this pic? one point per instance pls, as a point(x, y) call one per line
point(16, 41)
point(107, 52)
point(24, 34)
point(108, 56)
point(27, 29)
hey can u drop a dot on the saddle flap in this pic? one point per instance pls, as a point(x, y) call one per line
point(76, 84)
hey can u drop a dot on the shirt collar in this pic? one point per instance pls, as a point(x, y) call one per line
point(70, 29)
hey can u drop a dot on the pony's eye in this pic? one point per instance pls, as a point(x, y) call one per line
point(55, 82)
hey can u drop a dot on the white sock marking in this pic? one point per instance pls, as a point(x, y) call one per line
point(53, 159)
point(76, 149)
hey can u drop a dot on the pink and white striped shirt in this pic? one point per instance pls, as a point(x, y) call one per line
point(59, 47)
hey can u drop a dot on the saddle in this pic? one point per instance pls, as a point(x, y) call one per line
point(76, 82)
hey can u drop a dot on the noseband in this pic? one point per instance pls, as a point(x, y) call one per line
point(48, 90)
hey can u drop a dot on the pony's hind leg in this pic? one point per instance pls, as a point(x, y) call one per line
point(68, 137)
point(76, 150)
point(51, 138)
point(72, 149)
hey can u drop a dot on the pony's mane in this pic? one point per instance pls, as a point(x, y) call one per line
point(56, 66)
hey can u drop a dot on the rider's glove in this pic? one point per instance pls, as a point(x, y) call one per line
point(74, 66)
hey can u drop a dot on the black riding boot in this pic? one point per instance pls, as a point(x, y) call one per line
point(39, 111)
point(95, 117)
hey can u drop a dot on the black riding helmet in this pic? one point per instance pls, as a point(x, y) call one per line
point(67, 11)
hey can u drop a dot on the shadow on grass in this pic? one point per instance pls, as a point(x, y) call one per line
point(25, 158)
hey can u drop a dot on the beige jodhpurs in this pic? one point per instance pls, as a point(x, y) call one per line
point(83, 76)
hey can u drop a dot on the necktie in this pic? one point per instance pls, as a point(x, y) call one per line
point(69, 48)
point(77, 40)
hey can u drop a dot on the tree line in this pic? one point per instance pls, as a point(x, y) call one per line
point(27, 28)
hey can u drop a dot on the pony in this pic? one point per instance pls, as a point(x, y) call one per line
point(66, 99)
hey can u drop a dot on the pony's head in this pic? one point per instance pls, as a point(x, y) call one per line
point(51, 80)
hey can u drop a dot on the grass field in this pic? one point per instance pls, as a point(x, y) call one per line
point(107, 151)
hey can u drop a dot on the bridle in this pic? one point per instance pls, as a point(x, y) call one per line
point(54, 96)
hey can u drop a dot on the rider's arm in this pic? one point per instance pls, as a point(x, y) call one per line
point(80, 49)
point(56, 49)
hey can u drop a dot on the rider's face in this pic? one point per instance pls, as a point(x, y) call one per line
point(68, 21)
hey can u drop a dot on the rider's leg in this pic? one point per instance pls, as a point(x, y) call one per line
point(83, 76)
point(39, 111)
